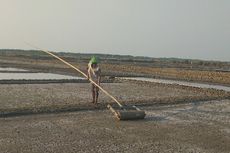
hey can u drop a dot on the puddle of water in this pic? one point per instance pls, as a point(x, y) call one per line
point(11, 69)
point(183, 83)
point(35, 76)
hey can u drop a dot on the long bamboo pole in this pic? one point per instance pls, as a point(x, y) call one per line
point(77, 69)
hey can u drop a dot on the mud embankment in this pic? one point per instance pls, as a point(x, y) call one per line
point(51, 81)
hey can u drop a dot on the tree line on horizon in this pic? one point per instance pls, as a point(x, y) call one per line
point(187, 63)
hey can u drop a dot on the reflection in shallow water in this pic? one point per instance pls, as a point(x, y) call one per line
point(11, 69)
point(35, 76)
point(184, 83)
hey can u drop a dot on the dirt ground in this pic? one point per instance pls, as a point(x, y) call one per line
point(61, 119)
point(58, 117)
point(202, 127)
point(38, 98)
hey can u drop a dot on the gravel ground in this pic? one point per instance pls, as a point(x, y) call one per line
point(194, 127)
point(178, 119)
point(35, 98)
point(61, 119)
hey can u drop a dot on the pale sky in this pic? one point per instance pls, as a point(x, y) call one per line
point(198, 29)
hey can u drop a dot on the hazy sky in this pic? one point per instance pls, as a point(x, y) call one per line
point(158, 28)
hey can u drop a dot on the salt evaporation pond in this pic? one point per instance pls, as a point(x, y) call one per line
point(22, 74)
point(35, 76)
point(9, 69)
point(183, 83)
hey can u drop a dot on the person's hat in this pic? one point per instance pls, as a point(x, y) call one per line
point(93, 60)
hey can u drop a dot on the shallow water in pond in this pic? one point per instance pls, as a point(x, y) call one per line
point(183, 83)
point(11, 69)
point(35, 76)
